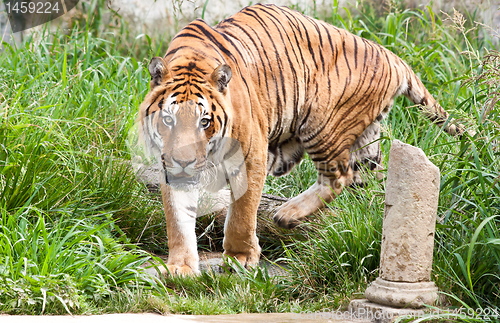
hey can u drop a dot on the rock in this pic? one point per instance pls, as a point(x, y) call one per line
point(411, 200)
point(401, 295)
point(148, 174)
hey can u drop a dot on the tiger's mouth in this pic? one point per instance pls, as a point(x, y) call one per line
point(181, 179)
point(180, 174)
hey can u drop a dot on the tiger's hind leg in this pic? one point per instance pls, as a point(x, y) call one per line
point(365, 153)
point(332, 177)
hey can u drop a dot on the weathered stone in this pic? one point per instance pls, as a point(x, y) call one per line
point(398, 294)
point(411, 200)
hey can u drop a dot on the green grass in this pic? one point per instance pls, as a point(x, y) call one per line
point(67, 105)
point(73, 214)
point(64, 264)
point(342, 253)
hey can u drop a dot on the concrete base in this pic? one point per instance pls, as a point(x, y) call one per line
point(363, 309)
point(397, 294)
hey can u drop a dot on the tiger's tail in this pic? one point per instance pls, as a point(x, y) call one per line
point(418, 94)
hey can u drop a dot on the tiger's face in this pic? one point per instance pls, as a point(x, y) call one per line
point(184, 129)
point(182, 116)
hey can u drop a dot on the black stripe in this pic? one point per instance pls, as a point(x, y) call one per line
point(248, 50)
point(346, 61)
point(309, 45)
point(290, 65)
point(252, 13)
point(179, 85)
point(159, 95)
point(212, 38)
point(225, 123)
point(191, 68)
point(188, 35)
point(196, 86)
point(355, 52)
point(365, 97)
point(234, 46)
point(147, 109)
point(320, 50)
point(175, 50)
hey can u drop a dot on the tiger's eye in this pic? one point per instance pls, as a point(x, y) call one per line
point(168, 120)
point(205, 123)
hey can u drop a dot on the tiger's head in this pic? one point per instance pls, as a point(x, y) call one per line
point(184, 113)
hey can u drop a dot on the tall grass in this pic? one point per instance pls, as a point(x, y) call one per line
point(67, 104)
point(63, 264)
point(67, 107)
point(343, 250)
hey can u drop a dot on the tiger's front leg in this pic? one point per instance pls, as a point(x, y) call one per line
point(240, 237)
point(180, 213)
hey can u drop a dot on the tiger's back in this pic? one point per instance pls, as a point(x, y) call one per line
point(304, 79)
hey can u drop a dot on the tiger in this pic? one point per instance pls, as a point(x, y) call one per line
point(279, 84)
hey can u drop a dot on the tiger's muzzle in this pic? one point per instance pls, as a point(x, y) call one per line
point(182, 169)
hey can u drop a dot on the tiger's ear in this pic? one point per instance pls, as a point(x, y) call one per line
point(220, 77)
point(157, 70)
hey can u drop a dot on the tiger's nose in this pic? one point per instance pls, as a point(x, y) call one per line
point(184, 163)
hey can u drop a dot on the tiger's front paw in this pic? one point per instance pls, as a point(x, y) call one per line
point(245, 251)
point(246, 260)
point(183, 264)
point(181, 270)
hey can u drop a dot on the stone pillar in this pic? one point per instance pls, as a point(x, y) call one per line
point(411, 200)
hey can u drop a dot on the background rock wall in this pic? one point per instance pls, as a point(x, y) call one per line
point(163, 17)
point(156, 17)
